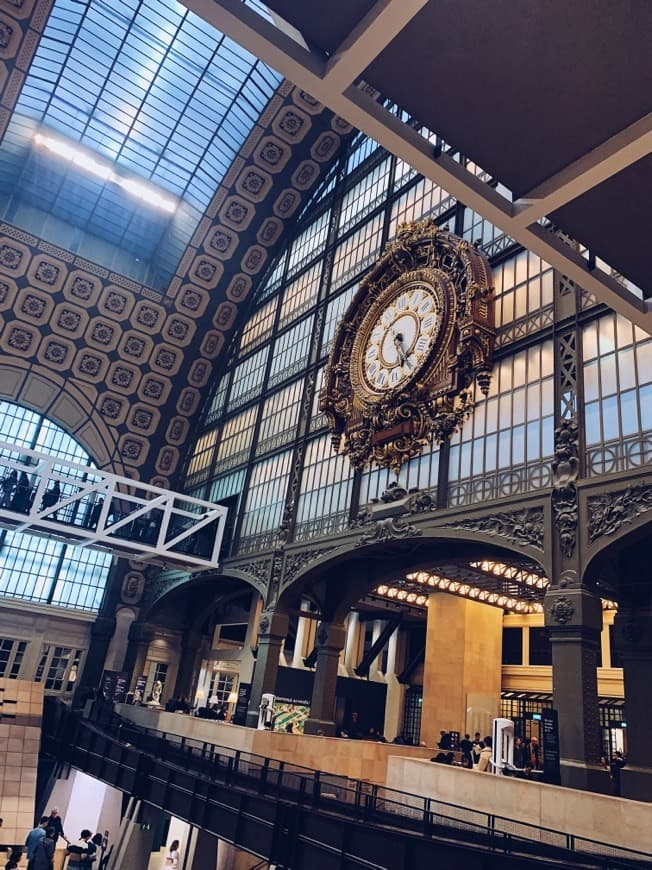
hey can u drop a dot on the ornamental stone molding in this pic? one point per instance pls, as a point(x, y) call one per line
point(565, 471)
point(388, 529)
point(610, 511)
point(296, 562)
point(257, 569)
point(525, 526)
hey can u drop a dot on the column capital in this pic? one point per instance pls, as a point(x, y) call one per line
point(330, 636)
point(141, 632)
point(273, 623)
point(103, 627)
point(633, 633)
point(571, 611)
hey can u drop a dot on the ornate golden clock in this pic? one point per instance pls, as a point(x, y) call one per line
point(416, 335)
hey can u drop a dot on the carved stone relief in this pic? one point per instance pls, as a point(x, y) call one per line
point(565, 468)
point(524, 526)
point(612, 510)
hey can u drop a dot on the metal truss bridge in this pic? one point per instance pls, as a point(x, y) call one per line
point(53, 497)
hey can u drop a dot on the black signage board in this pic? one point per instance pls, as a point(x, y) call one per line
point(114, 685)
point(107, 685)
point(240, 715)
point(550, 739)
point(121, 684)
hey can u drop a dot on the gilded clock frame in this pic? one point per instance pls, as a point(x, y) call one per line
point(390, 427)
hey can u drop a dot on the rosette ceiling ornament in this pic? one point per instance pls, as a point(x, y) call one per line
point(417, 334)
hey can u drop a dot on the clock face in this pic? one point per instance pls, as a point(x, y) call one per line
point(401, 337)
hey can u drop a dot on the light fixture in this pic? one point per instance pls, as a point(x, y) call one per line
point(233, 697)
point(100, 169)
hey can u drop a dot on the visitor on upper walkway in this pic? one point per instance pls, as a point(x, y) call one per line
point(535, 753)
point(485, 756)
point(477, 746)
point(35, 836)
point(466, 748)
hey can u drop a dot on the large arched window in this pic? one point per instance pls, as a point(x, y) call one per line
point(40, 569)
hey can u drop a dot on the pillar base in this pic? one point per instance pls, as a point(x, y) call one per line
point(251, 719)
point(586, 777)
point(636, 783)
point(319, 727)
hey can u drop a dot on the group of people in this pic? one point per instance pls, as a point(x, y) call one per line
point(42, 840)
point(17, 494)
point(476, 753)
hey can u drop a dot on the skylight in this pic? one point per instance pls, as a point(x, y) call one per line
point(147, 89)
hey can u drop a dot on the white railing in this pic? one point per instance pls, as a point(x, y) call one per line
point(54, 497)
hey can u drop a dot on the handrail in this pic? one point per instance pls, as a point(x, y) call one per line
point(374, 802)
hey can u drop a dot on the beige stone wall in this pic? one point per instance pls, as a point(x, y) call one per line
point(462, 670)
point(359, 759)
point(21, 711)
point(599, 817)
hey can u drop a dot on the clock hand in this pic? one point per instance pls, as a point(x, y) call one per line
point(398, 344)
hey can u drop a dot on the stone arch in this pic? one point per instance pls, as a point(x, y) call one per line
point(62, 401)
point(171, 586)
point(617, 520)
point(336, 577)
point(611, 562)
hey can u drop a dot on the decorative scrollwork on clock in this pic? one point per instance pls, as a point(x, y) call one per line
point(417, 334)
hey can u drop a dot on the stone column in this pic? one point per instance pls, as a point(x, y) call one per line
point(462, 668)
point(573, 617)
point(374, 668)
point(133, 847)
point(272, 628)
point(329, 642)
point(117, 651)
point(188, 673)
point(101, 634)
point(202, 850)
point(633, 630)
point(352, 641)
point(140, 637)
point(299, 643)
point(395, 699)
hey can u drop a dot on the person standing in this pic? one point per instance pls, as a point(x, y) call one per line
point(44, 853)
point(79, 852)
point(477, 747)
point(466, 748)
point(55, 822)
point(34, 838)
point(535, 751)
point(485, 756)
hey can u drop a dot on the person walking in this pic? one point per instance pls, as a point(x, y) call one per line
point(34, 838)
point(172, 857)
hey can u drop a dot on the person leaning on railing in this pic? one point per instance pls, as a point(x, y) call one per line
point(79, 852)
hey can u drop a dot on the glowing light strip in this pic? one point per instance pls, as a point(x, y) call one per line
point(146, 192)
point(476, 593)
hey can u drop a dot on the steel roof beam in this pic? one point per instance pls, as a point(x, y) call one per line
point(310, 71)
